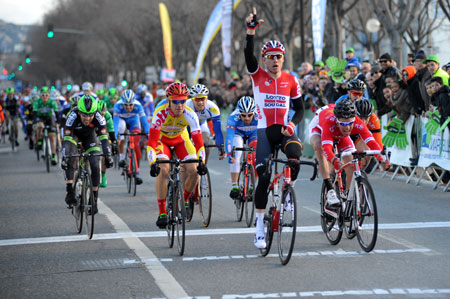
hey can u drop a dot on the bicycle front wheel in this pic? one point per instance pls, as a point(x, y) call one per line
point(47, 153)
point(366, 216)
point(330, 224)
point(133, 166)
point(170, 207)
point(239, 203)
point(180, 217)
point(205, 199)
point(249, 188)
point(78, 209)
point(89, 205)
point(287, 225)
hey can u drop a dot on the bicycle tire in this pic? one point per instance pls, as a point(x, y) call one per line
point(205, 199)
point(170, 216)
point(287, 224)
point(78, 209)
point(239, 203)
point(180, 218)
point(249, 190)
point(367, 228)
point(330, 225)
point(47, 153)
point(36, 148)
point(133, 172)
point(89, 205)
point(12, 136)
point(268, 226)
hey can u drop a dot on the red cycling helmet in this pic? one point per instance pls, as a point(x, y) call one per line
point(272, 46)
point(177, 91)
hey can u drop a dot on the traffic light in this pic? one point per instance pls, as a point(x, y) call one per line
point(20, 67)
point(50, 32)
point(124, 83)
point(27, 59)
point(69, 86)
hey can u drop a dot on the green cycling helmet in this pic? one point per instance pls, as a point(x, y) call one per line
point(87, 104)
point(101, 106)
point(100, 92)
point(74, 100)
point(9, 90)
point(112, 91)
point(44, 89)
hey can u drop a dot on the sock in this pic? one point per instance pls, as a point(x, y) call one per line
point(162, 206)
point(328, 184)
point(121, 156)
point(187, 195)
point(260, 223)
point(234, 185)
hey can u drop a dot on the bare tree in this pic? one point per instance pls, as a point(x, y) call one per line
point(396, 16)
point(337, 9)
point(445, 6)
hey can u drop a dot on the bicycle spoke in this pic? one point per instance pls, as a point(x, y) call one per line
point(366, 216)
point(287, 225)
point(205, 199)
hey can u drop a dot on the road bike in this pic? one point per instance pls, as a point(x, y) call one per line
point(281, 212)
point(357, 213)
point(84, 194)
point(246, 180)
point(131, 168)
point(175, 205)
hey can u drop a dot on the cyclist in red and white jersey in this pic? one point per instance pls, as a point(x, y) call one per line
point(335, 123)
point(273, 92)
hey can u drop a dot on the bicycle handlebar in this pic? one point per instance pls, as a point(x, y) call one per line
point(178, 161)
point(132, 134)
point(299, 162)
point(243, 149)
point(85, 155)
point(361, 154)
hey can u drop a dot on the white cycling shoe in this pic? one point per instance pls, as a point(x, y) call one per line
point(332, 198)
point(260, 241)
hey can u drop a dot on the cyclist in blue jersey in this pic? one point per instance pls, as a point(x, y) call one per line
point(242, 122)
point(355, 91)
point(128, 113)
point(87, 89)
point(146, 100)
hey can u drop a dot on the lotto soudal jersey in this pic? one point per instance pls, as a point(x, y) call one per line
point(273, 96)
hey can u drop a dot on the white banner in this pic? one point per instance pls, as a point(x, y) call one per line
point(400, 156)
point(318, 8)
point(432, 153)
point(227, 10)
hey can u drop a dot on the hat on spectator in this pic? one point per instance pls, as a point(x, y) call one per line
point(234, 75)
point(420, 55)
point(338, 77)
point(375, 69)
point(350, 50)
point(386, 56)
point(432, 58)
point(356, 63)
point(319, 63)
point(445, 67)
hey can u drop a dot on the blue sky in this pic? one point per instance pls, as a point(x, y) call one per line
point(24, 12)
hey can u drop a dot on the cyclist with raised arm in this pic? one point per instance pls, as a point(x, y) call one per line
point(84, 124)
point(45, 110)
point(168, 129)
point(242, 123)
point(206, 109)
point(128, 113)
point(335, 123)
point(273, 91)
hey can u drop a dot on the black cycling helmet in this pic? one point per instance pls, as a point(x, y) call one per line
point(345, 109)
point(364, 108)
point(356, 84)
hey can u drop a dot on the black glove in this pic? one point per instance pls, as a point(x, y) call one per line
point(64, 164)
point(114, 148)
point(254, 23)
point(109, 161)
point(154, 170)
point(201, 169)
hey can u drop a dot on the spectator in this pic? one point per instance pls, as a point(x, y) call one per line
point(350, 57)
point(387, 69)
point(423, 75)
point(355, 73)
point(376, 92)
point(441, 99)
point(433, 66)
point(410, 58)
point(365, 68)
point(387, 108)
point(319, 66)
point(399, 101)
point(304, 69)
point(447, 68)
point(336, 88)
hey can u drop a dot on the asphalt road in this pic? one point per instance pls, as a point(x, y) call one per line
point(42, 256)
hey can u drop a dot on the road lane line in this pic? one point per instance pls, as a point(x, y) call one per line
point(203, 232)
point(163, 278)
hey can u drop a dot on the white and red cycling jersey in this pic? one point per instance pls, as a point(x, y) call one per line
point(272, 97)
point(325, 124)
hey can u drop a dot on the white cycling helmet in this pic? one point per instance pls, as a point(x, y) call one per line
point(128, 96)
point(142, 88)
point(75, 88)
point(198, 90)
point(87, 86)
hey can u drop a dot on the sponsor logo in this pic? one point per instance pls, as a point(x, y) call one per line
point(275, 105)
point(92, 144)
point(275, 97)
point(67, 132)
point(71, 118)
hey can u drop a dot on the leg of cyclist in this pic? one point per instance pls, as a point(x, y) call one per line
point(39, 132)
point(137, 151)
point(185, 150)
point(52, 137)
point(16, 128)
point(206, 137)
point(162, 153)
point(70, 149)
point(346, 144)
point(235, 167)
point(121, 141)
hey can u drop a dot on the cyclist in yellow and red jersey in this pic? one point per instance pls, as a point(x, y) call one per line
point(168, 129)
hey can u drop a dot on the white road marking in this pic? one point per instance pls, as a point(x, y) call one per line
point(346, 293)
point(202, 232)
point(163, 278)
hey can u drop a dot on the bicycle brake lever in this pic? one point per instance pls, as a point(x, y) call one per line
point(314, 176)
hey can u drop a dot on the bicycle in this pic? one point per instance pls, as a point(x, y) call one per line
point(281, 214)
point(130, 169)
point(84, 193)
point(46, 148)
point(357, 214)
point(202, 195)
point(246, 181)
point(175, 206)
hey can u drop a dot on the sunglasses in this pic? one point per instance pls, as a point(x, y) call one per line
point(176, 102)
point(383, 61)
point(273, 56)
point(128, 105)
point(44, 95)
point(200, 99)
point(345, 123)
point(86, 114)
point(246, 115)
point(357, 93)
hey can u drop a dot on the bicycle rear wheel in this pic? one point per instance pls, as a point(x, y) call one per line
point(78, 209)
point(366, 216)
point(268, 224)
point(170, 207)
point(249, 188)
point(89, 205)
point(133, 172)
point(330, 224)
point(47, 153)
point(287, 225)
point(180, 218)
point(205, 199)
